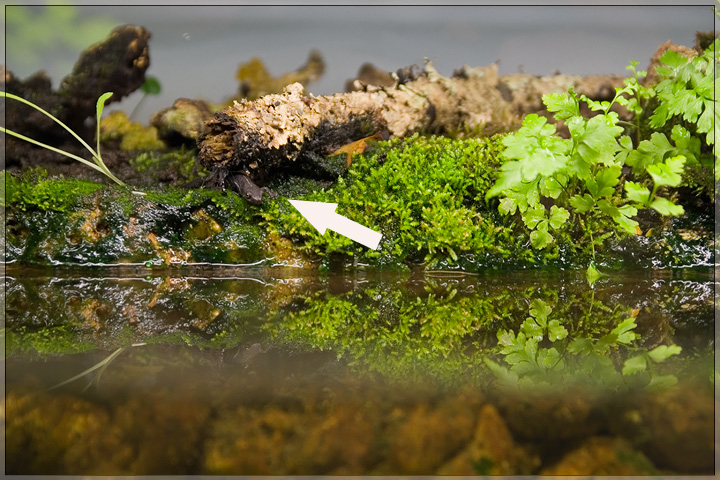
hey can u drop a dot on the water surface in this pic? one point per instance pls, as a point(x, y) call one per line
point(280, 371)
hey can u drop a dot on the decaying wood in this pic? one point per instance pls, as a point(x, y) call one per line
point(282, 127)
point(253, 137)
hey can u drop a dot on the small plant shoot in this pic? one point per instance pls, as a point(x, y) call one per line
point(97, 162)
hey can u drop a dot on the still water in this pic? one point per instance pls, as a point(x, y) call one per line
point(280, 371)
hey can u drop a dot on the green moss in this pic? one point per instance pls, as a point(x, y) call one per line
point(56, 340)
point(526, 337)
point(426, 195)
point(182, 161)
point(35, 191)
point(130, 136)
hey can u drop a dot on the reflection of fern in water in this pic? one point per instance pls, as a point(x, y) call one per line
point(527, 362)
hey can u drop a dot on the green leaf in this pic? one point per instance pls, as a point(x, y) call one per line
point(553, 186)
point(684, 141)
point(582, 204)
point(540, 239)
point(650, 152)
point(510, 176)
point(710, 114)
point(543, 161)
point(503, 374)
point(505, 337)
point(556, 331)
point(508, 205)
point(628, 210)
point(627, 224)
point(151, 85)
point(558, 217)
point(563, 105)
point(532, 329)
point(549, 358)
point(579, 167)
point(98, 111)
point(621, 215)
point(595, 105)
point(636, 192)
point(667, 208)
point(626, 147)
point(624, 331)
point(604, 182)
point(580, 345)
point(592, 274)
point(660, 116)
point(533, 216)
point(634, 365)
point(663, 352)
point(539, 309)
point(669, 172)
point(661, 382)
point(685, 103)
point(598, 143)
point(673, 59)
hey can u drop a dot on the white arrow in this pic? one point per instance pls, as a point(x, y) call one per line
point(322, 216)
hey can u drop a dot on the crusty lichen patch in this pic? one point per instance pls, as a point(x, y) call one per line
point(252, 135)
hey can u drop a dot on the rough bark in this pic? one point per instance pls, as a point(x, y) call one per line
point(252, 138)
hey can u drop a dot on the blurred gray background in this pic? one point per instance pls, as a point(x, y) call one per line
point(195, 50)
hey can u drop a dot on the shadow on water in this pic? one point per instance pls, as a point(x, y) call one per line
point(275, 371)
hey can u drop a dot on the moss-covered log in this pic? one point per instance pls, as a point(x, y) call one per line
point(278, 128)
point(256, 138)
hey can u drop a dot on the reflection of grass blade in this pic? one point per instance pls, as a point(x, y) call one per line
point(101, 365)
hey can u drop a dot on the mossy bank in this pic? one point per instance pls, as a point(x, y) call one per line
point(426, 195)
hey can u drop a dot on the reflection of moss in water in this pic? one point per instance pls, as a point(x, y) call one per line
point(102, 313)
point(563, 338)
point(465, 329)
point(46, 341)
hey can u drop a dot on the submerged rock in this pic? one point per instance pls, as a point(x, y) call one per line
point(492, 451)
point(69, 435)
point(603, 456)
point(673, 428)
